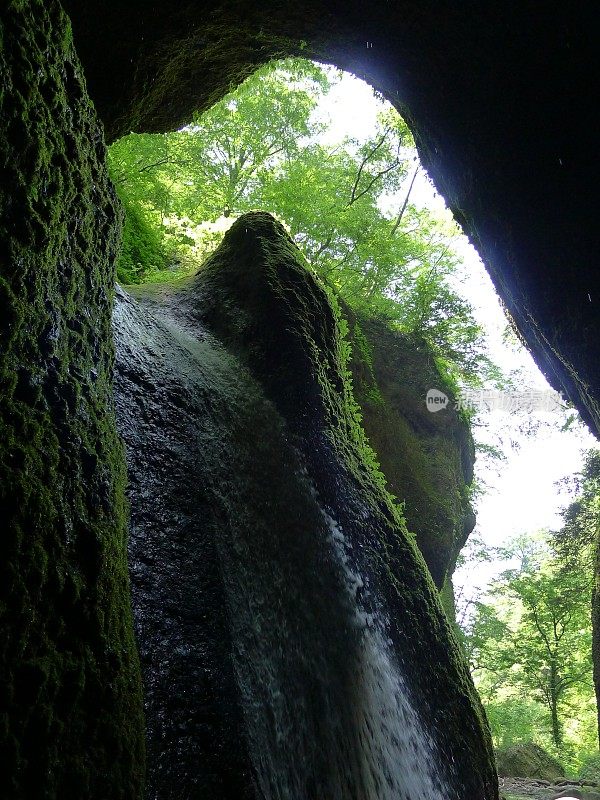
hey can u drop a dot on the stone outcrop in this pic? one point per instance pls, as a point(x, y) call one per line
point(427, 457)
point(528, 760)
point(273, 576)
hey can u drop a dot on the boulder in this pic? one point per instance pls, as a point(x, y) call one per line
point(528, 760)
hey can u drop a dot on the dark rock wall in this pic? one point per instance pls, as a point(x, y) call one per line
point(70, 696)
point(243, 452)
point(178, 406)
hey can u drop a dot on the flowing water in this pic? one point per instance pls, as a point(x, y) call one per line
point(327, 712)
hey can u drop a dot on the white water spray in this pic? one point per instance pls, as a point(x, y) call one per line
point(398, 756)
point(328, 711)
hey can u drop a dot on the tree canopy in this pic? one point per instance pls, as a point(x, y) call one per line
point(529, 646)
point(346, 203)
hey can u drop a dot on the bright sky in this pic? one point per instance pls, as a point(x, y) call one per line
point(522, 494)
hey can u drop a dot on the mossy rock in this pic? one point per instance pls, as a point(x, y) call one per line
point(427, 458)
point(285, 471)
point(528, 760)
point(71, 720)
point(258, 296)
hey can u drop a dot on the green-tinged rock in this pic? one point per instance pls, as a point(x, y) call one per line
point(426, 456)
point(528, 760)
point(70, 710)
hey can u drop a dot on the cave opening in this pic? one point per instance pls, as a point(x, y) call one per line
point(490, 99)
point(270, 145)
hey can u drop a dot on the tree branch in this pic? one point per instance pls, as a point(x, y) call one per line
point(363, 164)
point(404, 205)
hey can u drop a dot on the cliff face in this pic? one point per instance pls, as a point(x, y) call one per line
point(70, 694)
point(426, 456)
point(289, 631)
point(181, 408)
point(499, 100)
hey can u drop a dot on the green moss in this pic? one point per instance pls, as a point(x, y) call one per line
point(427, 458)
point(362, 354)
point(303, 346)
point(528, 760)
point(71, 720)
point(448, 600)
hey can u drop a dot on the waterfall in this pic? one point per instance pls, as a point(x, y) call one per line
point(279, 649)
point(328, 712)
point(398, 756)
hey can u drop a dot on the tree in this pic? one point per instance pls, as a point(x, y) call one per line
point(347, 204)
point(577, 545)
point(575, 542)
point(548, 645)
point(216, 164)
point(532, 639)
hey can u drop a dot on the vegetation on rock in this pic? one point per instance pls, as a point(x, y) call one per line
point(71, 721)
point(528, 760)
point(258, 296)
point(346, 204)
point(427, 459)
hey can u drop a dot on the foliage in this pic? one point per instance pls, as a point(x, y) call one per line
point(575, 543)
point(589, 768)
point(529, 645)
point(215, 165)
point(143, 249)
point(346, 204)
point(515, 719)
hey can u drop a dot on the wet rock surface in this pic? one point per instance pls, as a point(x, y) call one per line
point(169, 415)
point(282, 612)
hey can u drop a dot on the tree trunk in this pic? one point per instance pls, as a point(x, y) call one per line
point(596, 630)
point(556, 731)
point(556, 726)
